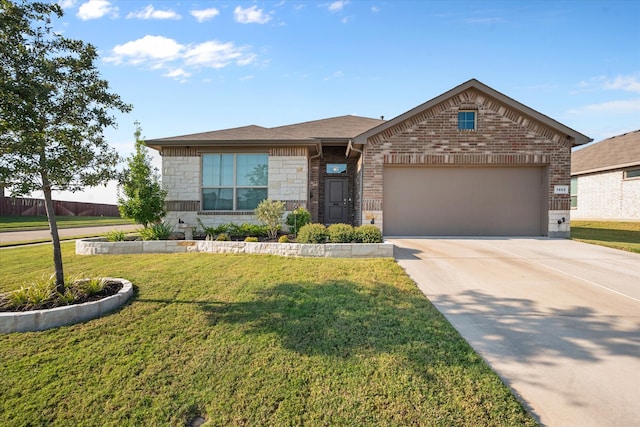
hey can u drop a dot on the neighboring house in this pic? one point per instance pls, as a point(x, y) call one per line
point(471, 161)
point(605, 179)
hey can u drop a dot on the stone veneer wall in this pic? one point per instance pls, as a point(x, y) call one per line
point(97, 246)
point(181, 176)
point(503, 137)
point(607, 195)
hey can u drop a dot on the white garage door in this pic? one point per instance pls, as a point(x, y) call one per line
point(443, 201)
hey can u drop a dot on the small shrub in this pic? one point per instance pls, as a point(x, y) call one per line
point(90, 286)
point(251, 239)
point(368, 234)
point(116, 236)
point(223, 237)
point(211, 232)
point(160, 231)
point(270, 213)
point(312, 233)
point(298, 219)
point(42, 294)
point(283, 239)
point(341, 233)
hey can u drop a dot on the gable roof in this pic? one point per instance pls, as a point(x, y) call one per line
point(577, 137)
point(612, 153)
point(306, 133)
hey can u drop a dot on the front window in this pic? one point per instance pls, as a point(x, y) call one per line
point(234, 182)
point(466, 120)
point(632, 173)
point(574, 192)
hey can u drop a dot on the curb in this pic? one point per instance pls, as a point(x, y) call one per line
point(40, 320)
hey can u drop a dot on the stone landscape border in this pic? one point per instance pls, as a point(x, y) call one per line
point(40, 320)
point(99, 246)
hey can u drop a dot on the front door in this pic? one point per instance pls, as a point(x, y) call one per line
point(336, 201)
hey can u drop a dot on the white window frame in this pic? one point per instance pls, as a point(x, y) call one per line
point(475, 120)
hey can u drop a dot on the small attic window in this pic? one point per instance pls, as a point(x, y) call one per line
point(466, 120)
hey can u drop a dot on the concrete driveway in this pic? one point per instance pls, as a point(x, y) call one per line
point(558, 320)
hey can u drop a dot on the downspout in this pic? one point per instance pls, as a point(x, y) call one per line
point(360, 189)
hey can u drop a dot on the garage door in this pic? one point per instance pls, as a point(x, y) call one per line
point(438, 201)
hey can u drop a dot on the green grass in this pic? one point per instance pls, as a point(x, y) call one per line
point(618, 235)
point(26, 223)
point(247, 340)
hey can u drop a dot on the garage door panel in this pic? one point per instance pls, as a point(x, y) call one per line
point(462, 201)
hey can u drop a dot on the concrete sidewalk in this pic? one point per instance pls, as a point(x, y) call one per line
point(558, 320)
point(65, 233)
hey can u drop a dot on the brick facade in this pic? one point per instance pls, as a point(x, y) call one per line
point(503, 137)
point(607, 195)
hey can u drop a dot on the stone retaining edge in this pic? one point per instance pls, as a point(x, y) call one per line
point(40, 320)
point(97, 246)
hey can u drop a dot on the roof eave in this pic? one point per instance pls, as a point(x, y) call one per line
point(159, 144)
point(606, 168)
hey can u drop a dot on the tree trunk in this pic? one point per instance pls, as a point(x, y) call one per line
point(55, 238)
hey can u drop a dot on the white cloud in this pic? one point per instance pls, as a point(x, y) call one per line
point(629, 83)
point(626, 83)
point(179, 60)
point(375, 9)
point(94, 9)
point(150, 12)
point(65, 4)
point(178, 74)
point(213, 54)
point(625, 106)
point(205, 14)
point(251, 15)
point(338, 5)
point(154, 50)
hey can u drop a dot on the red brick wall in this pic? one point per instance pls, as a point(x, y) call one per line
point(503, 136)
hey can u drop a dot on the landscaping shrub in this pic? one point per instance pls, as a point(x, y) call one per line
point(247, 230)
point(297, 219)
point(251, 239)
point(283, 239)
point(161, 231)
point(116, 236)
point(213, 231)
point(223, 237)
point(312, 233)
point(341, 233)
point(270, 213)
point(368, 234)
point(42, 293)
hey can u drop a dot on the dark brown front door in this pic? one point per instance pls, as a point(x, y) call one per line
point(335, 201)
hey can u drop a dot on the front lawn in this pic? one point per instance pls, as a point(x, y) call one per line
point(247, 340)
point(618, 235)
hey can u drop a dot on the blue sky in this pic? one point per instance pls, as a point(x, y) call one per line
point(194, 66)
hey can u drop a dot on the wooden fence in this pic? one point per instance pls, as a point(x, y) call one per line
point(18, 206)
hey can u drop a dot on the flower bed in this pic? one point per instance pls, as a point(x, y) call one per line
point(39, 320)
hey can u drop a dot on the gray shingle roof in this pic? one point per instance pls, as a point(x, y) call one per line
point(335, 127)
point(611, 153)
point(342, 127)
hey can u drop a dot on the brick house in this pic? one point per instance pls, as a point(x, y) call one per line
point(605, 179)
point(471, 161)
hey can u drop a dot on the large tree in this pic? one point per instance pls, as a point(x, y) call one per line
point(143, 196)
point(53, 110)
